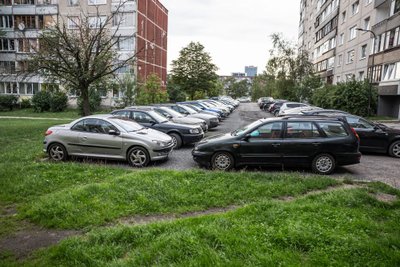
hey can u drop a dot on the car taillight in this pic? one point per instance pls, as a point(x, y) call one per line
point(48, 132)
point(355, 133)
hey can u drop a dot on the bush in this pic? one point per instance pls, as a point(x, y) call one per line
point(58, 101)
point(94, 101)
point(25, 103)
point(8, 101)
point(41, 101)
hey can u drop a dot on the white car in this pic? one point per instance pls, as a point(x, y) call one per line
point(290, 105)
point(299, 110)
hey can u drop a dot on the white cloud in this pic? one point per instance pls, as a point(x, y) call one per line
point(235, 33)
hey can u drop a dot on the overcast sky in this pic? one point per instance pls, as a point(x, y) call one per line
point(234, 32)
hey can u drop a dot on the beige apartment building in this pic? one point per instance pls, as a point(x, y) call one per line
point(22, 21)
point(339, 36)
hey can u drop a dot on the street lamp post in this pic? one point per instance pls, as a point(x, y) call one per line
point(371, 74)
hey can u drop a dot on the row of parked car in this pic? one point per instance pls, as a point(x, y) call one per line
point(138, 134)
point(374, 137)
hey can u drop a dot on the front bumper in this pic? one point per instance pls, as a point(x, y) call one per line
point(162, 153)
point(192, 138)
point(202, 158)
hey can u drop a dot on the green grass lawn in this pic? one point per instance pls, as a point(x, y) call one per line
point(68, 114)
point(344, 227)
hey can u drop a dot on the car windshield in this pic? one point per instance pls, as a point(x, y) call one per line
point(194, 108)
point(188, 109)
point(158, 117)
point(172, 112)
point(245, 128)
point(127, 125)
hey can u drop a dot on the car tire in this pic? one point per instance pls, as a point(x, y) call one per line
point(394, 149)
point(176, 139)
point(57, 152)
point(138, 157)
point(222, 161)
point(276, 113)
point(323, 164)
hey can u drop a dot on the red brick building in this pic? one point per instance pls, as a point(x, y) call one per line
point(151, 39)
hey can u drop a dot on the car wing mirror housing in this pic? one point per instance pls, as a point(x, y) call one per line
point(113, 132)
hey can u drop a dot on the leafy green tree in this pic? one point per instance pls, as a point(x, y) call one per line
point(127, 86)
point(216, 89)
point(238, 89)
point(194, 71)
point(175, 92)
point(151, 92)
point(81, 57)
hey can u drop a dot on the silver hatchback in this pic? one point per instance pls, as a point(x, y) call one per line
point(107, 136)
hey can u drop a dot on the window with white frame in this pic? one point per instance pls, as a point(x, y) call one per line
point(126, 43)
point(355, 8)
point(97, 22)
point(391, 71)
point(7, 67)
point(367, 23)
point(349, 77)
point(7, 45)
point(338, 79)
point(73, 22)
point(363, 51)
point(126, 19)
point(350, 56)
point(97, 2)
point(340, 60)
point(6, 22)
point(73, 2)
point(361, 75)
point(352, 33)
point(343, 16)
point(341, 39)
point(331, 63)
point(394, 7)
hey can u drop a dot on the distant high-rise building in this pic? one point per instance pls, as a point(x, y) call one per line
point(251, 71)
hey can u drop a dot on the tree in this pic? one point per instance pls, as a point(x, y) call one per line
point(151, 92)
point(80, 57)
point(237, 89)
point(127, 86)
point(194, 71)
point(175, 93)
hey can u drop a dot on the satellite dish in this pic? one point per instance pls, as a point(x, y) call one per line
point(21, 26)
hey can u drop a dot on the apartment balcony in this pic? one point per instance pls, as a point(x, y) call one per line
point(389, 88)
point(379, 2)
point(128, 6)
point(386, 24)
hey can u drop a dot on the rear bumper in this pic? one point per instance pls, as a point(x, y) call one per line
point(348, 158)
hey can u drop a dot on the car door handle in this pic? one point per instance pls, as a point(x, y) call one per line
point(84, 137)
point(316, 144)
point(276, 144)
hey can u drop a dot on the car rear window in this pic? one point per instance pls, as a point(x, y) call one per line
point(333, 129)
point(293, 105)
point(301, 130)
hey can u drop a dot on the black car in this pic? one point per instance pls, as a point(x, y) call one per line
point(181, 134)
point(322, 143)
point(374, 137)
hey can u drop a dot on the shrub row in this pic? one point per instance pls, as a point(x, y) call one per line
point(49, 101)
point(8, 102)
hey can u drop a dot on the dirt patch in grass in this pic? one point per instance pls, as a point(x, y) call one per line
point(387, 198)
point(22, 243)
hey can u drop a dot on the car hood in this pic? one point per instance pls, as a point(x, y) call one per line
point(216, 138)
point(388, 129)
point(186, 120)
point(150, 134)
point(179, 125)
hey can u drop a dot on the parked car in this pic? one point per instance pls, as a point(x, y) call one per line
point(263, 100)
point(244, 99)
point(200, 111)
point(181, 134)
point(374, 137)
point(302, 110)
point(320, 142)
point(211, 118)
point(177, 117)
point(106, 136)
point(323, 112)
point(275, 107)
point(289, 105)
point(204, 107)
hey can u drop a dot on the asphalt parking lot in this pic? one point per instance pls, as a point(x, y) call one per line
point(373, 167)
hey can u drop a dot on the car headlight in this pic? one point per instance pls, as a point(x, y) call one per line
point(214, 119)
point(194, 131)
point(160, 143)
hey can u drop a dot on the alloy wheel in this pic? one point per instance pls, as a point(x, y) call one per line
point(324, 164)
point(138, 157)
point(396, 150)
point(57, 153)
point(222, 161)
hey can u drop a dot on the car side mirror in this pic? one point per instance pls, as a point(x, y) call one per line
point(113, 132)
point(152, 122)
point(246, 137)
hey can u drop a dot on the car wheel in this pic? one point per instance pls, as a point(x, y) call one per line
point(57, 152)
point(138, 157)
point(323, 164)
point(176, 139)
point(222, 161)
point(394, 149)
point(276, 112)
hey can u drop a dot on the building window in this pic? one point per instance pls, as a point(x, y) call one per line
point(331, 63)
point(340, 60)
point(5, 2)
point(7, 45)
point(350, 57)
point(343, 16)
point(7, 67)
point(27, 45)
point(124, 20)
point(97, 22)
point(96, 2)
point(367, 2)
point(126, 44)
point(363, 53)
point(352, 33)
point(376, 73)
point(24, 2)
point(367, 24)
point(349, 77)
point(361, 76)
point(73, 2)
point(6, 22)
point(73, 22)
point(394, 7)
point(391, 71)
point(341, 39)
point(26, 22)
point(338, 79)
point(355, 7)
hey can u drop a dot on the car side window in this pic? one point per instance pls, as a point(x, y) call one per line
point(123, 114)
point(162, 112)
point(301, 130)
point(333, 129)
point(268, 131)
point(80, 126)
point(359, 123)
point(141, 117)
